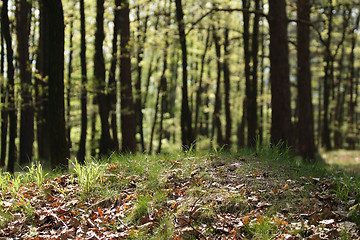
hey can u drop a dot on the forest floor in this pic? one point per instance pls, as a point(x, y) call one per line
point(262, 195)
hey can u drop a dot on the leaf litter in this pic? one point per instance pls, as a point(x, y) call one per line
point(210, 197)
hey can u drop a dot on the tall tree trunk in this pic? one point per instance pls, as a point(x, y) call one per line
point(5, 28)
point(227, 90)
point(163, 90)
point(23, 19)
point(200, 89)
point(262, 101)
point(187, 136)
point(41, 93)
point(217, 108)
point(69, 83)
point(106, 143)
point(279, 73)
point(247, 60)
point(83, 94)
point(4, 101)
point(327, 78)
point(112, 79)
point(128, 119)
point(138, 95)
point(351, 135)
point(155, 117)
point(54, 69)
point(252, 117)
point(306, 118)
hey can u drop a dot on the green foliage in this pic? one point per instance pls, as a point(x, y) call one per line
point(89, 175)
point(36, 173)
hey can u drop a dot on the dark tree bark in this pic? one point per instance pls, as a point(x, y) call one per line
point(41, 93)
point(227, 90)
point(306, 118)
point(262, 101)
point(279, 73)
point(23, 19)
point(352, 86)
point(5, 28)
point(83, 95)
point(138, 95)
point(200, 89)
point(217, 108)
point(340, 101)
point(252, 117)
point(128, 119)
point(247, 61)
point(54, 70)
point(106, 143)
point(112, 79)
point(187, 136)
point(326, 141)
point(163, 88)
point(155, 117)
point(4, 100)
point(69, 83)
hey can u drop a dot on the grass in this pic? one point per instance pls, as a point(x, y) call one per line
point(260, 194)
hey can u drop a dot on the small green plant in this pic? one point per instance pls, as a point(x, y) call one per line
point(5, 182)
point(36, 173)
point(262, 228)
point(141, 208)
point(15, 184)
point(89, 175)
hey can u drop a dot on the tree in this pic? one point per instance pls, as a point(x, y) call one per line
point(5, 28)
point(106, 143)
point(226, 70)
point(128, 121)
point(23, 16)
point(306, 118)
point(112, 80)
point(4, 100)
point(217, 108)
point(279, 73)
point(83, 95)
point(54, 70)
point(252, 107)
point(41, 93)
point(187, 136)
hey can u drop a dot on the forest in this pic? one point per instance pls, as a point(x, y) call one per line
point(89, 78)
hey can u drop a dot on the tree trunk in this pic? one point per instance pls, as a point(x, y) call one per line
point(187, 137)
point(227, 90)
point(54, 69)
point(83, 95)
point(23, 17)
point(155, 117)
point(41, 93)
point(327, 78)
point(138, 95)
point(128, 119)
point(252, 98)
point(306, 118)
point(69, 83)
point(163, 87)
point(4, 100)
point(217, 108)
point(351, 133)
point(279, 73)
point(112, 80)
point(200, 89)
point(106, 143)
point(5, 28)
